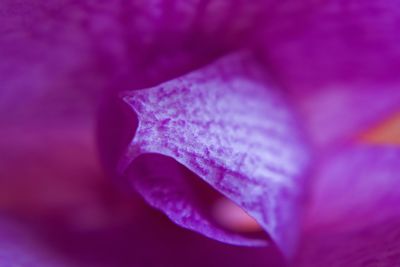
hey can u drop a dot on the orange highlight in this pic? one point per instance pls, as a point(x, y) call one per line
point(387, 132)
point(234, 218)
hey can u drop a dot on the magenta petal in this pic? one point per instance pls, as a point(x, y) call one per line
point(19, 246)
point(373, 246)
point(228, 125)
point(313, 44)
point(147, 239)
point(61, 54)
point(336, 115)
point(354, 219)
point(340, 59)
point(171, 37)
point(356, 187)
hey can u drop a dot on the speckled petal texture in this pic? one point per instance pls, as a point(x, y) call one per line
point(228, 125)
point(59, 57)
point(354, 219)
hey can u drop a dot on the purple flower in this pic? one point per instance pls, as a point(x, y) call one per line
point(268, 129)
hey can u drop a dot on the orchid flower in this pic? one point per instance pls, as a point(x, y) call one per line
point(199, 133)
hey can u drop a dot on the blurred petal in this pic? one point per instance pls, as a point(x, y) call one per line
point(386, 132)
point(54, 174)
point(209, 121)
point(19, 246)
point(369, 246)
point(148, 239)
point(313, 44)
point(339, 115)
point(339, 59)
point(58, 56)
point(354, 218)
point(49, 87)
point(179, 35)
point(356, 187)
point(47, 64)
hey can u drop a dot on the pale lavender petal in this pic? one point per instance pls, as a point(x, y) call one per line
point(228, 125)
point(58, 57)
point(81, 219)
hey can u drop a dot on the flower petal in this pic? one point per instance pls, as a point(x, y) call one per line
point(354, 219)
point(53, 173)
point(313, 44)
point(339, 115)
point(61, 54)
point(176, 36)
point(357, 187)
point(147, 239)
point(20, 247)
point(228, 125)
point(375, 245)
point(339, 59)
point(58, 57)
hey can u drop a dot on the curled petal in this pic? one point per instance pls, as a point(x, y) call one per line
point(58, 57)
point(228, 125)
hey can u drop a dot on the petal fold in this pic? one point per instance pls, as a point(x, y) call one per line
point(228, 125)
